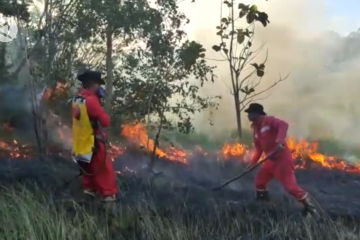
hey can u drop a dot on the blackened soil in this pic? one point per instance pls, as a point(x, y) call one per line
point(186, 189)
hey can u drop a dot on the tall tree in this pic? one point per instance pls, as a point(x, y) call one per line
point(119, 25)
point(163, 78)
point(236, 46)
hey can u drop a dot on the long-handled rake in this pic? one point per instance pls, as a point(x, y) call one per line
point(247, 170)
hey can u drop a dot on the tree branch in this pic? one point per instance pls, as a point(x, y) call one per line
point(251, 98)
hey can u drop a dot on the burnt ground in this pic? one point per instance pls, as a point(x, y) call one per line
point(337, 192)
point(187, 188)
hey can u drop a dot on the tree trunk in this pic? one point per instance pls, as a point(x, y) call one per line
point(235, 77)
point(109, 69)
point(238, 115)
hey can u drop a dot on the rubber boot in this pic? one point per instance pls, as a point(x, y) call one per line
point(110, 198)
point(109, 205)
point(262, 196)
point(309, 209)
point(90, 193)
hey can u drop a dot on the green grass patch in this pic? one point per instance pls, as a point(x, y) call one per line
point(27, 215)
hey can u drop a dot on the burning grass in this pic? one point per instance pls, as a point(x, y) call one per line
point(304, 152)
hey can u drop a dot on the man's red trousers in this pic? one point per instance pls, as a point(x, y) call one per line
point(104, 181)
point(282, 169)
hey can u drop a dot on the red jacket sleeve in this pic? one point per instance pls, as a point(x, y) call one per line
point(95, 111)
point(258, 152)
point(281, 127)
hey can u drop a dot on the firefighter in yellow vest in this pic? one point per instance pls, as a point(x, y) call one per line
point(89, 141)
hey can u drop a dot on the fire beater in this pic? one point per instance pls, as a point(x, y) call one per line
point(269, 136)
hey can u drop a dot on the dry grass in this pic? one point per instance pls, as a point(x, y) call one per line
point(34, 215)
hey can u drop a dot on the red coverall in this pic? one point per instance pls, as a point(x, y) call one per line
point(268, 133)
point(104, 182)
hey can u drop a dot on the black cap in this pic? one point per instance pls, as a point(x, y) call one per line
point(255, 108)
point(93, 76)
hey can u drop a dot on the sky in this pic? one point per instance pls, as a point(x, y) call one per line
point(345, 15)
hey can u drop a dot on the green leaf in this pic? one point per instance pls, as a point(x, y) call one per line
point(250, 17)
point(247, 33)
point(240, 38)
point(255, 65)
point(263, 18)
point(242, 13)
point(228, 3)
point(216, 48)
point(241, 6)
point(254, 8)
point(260, 73)
point(232, 33)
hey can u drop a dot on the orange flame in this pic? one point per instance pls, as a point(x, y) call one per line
point(59, 89)
point(302, 150)
point(234, 150)
point(15, 150)
point(136, 133)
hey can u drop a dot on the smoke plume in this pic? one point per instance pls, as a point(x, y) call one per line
point(16, 112)
point(319, 97)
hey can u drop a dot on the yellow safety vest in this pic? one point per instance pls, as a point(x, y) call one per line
point(83, 133)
